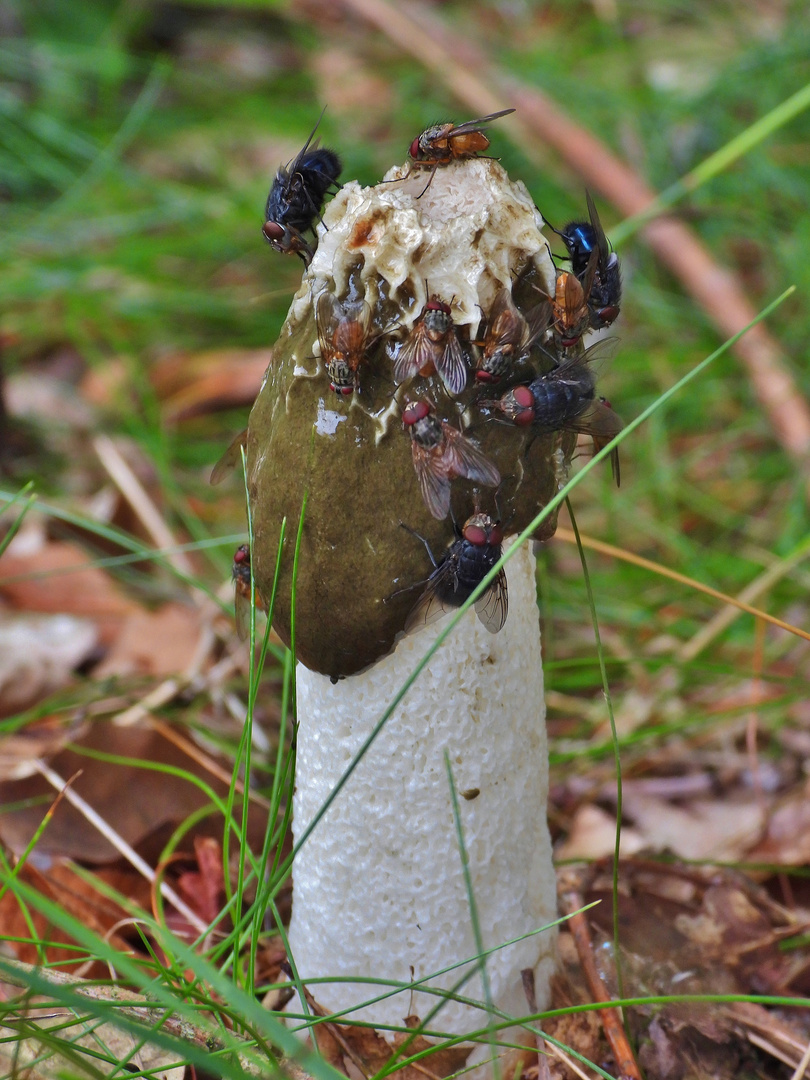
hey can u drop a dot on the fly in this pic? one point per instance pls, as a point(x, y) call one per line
point(433, 346)
point(440, 454)
point(582, 239)
point(462, 567)
point(343, 334)
point(296, 197)
point(442, 143)
point(564, 399)
point(509, 336)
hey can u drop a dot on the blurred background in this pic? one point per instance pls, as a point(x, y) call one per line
point(138, 302)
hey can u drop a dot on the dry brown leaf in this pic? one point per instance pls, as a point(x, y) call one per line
point(189, 384)
point(156, 643)
point(440, 1062)
point(593, 836)
point(135, 802)
point(204, 888)
point(84, 591)
point(702, 829)
point(61, 885)
point(728, 923)
point(787, 835)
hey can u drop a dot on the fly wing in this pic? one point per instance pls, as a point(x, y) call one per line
point(595, 356)
point(503, 320)
point(450, 365)
point(602, 424)
point(493, 606)
point(589, 275)
point(434, 481)
point(417, 353)
point(536, 322)
point(327, 318)
point(465, 459)
point(229, 460)
point(294, 164)
point(601, 239)
point(430, 607)
point(476, 125)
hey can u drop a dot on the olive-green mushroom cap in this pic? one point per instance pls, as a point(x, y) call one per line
point(472, 232)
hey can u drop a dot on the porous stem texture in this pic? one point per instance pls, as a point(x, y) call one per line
point(379, 886)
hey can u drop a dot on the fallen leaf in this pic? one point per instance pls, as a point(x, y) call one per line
point(59, 577)
point(593, 836)
point(156, 643)
point(38, 655)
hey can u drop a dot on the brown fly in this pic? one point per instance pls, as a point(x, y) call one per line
point(344, 337)
point(570, 314)
point(442, 143)
point(440, 454)
point(433, 346)
point(509, 336)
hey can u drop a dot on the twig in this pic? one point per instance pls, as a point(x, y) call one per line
point(120, 844)
point(155, 699)
point(801, 1068)
point(485, 88)
point(610, 1018)
point(573, 1065)
point(527, 978)
point(726, 616)
point(135, 494)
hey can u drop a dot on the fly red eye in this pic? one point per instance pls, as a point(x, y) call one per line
point(272, 230)
point(414, 411)
point(414, 150)
point(474, 534)
point(523, 397)
point(241, 555)
point(568, 342)
point(496, 535)
point(435, 304)
point(608, 315)
point(485, 376)
point(524, 418)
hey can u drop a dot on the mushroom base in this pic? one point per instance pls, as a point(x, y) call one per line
point(378, 889)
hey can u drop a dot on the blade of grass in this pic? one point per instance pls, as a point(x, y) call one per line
point(617, 760)
point(716, 163)
point(14, 527)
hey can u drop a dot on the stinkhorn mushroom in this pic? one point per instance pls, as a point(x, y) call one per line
point(420, 290)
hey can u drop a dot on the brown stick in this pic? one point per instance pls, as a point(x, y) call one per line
point(611, 1018)
point(527, 978)
point(483, 87)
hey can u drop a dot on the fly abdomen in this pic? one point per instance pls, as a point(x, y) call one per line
point(560, 401)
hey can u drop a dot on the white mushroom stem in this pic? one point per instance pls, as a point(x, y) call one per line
point(379, 887)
